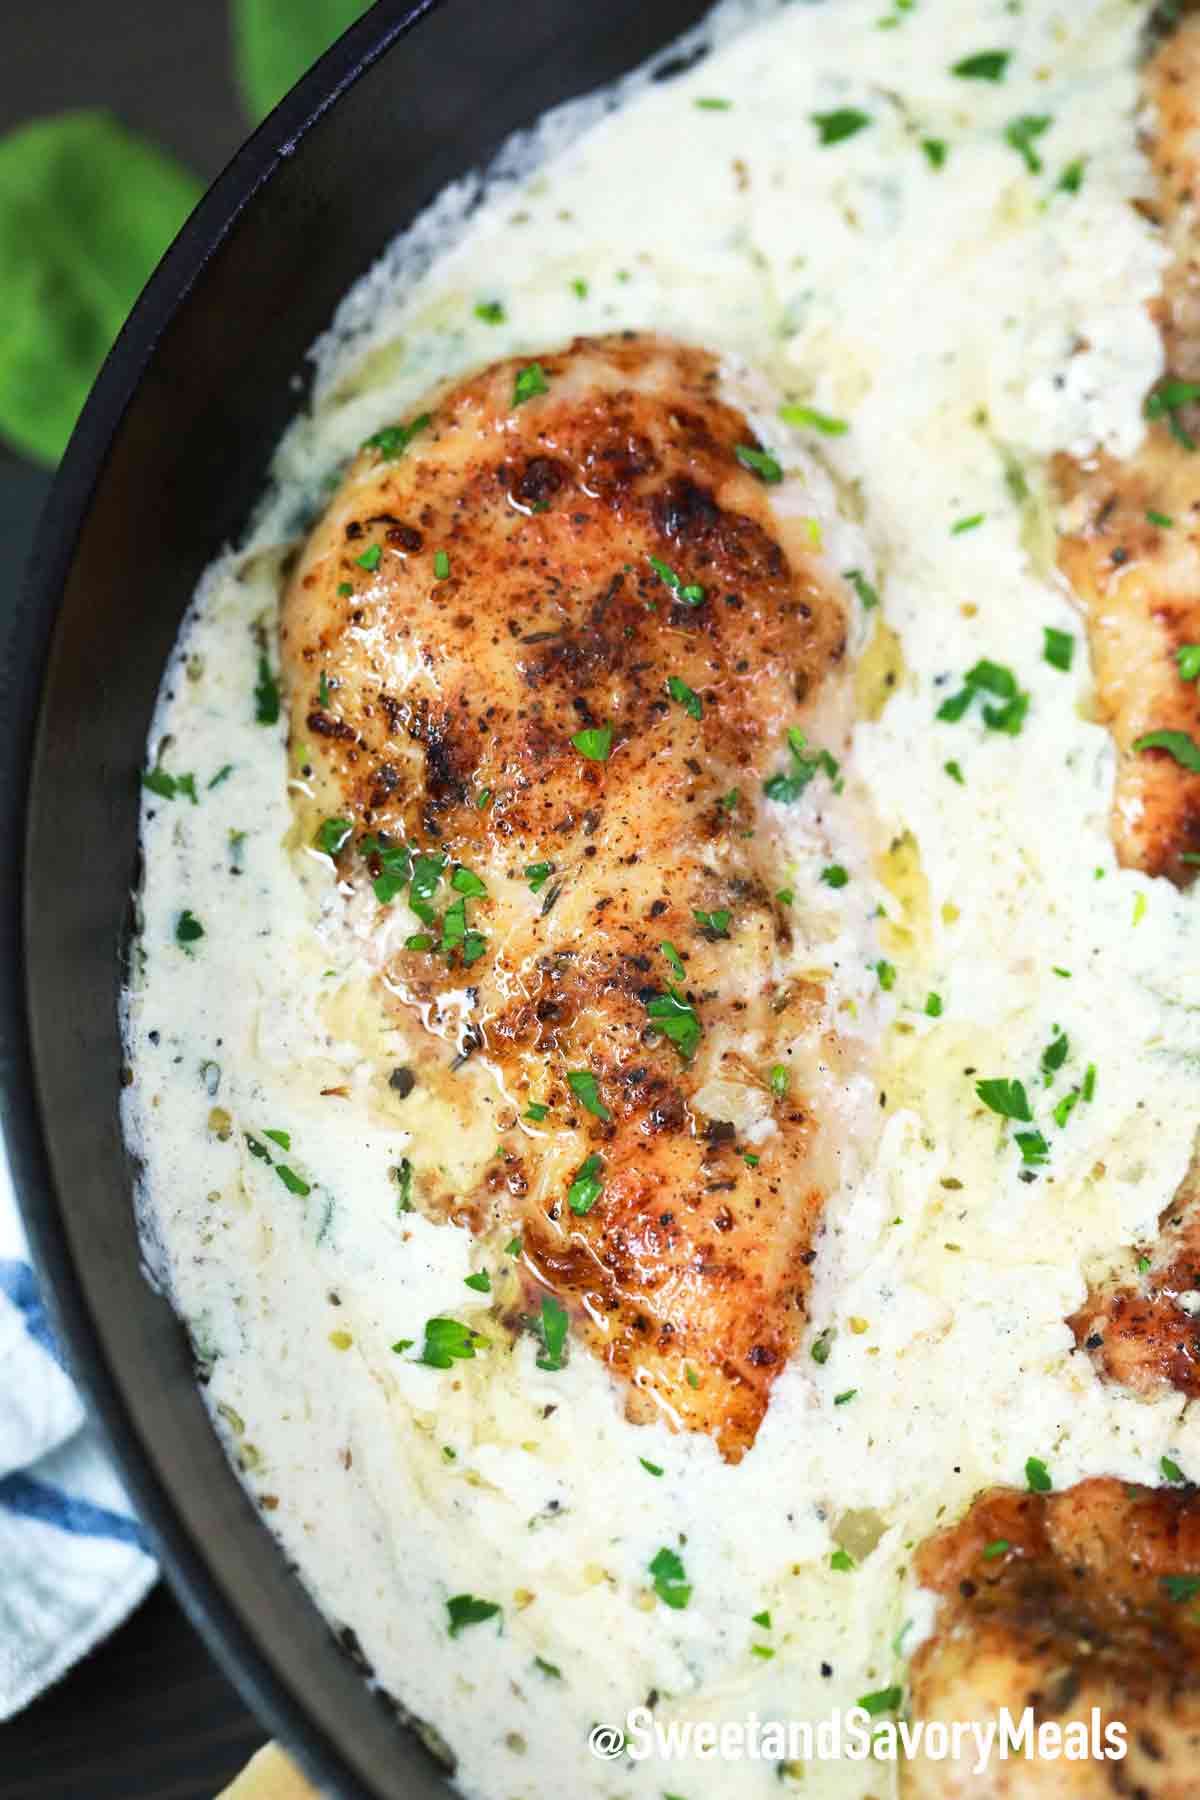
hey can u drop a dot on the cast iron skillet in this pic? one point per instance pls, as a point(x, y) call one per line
point(162, 470)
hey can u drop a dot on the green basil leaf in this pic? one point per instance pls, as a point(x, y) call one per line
point(275, 41)
point(86, 210)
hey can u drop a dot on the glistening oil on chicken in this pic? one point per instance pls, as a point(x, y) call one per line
point(663, 1033)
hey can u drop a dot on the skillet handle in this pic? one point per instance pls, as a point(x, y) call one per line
point(270, 1775)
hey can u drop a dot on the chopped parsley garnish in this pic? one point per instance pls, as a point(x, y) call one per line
point(728, 803)
point(1065, 1107)
point(441, 566)
point(996, 1548)
point(674, 960)
point(536, 1111)
point(787, 787)
point(933, 1006)
point(883, 1700)
point(370, 558)
point(586, 1088)
point(972, 524)
point(579, 288)
point(481, 1282)
point(708, 103)
point(716, 924)
point(464, 1609)
point(514, 1247)
point(295, 1184)
point(282, 1138)
point(420, 940)
point(530, 382)
point(867, 594)
point(1038, 1477)
point(595, 743)
point(491, 312)
point(1167, 401)
point(1033, 1147)
point(1181, 1587)
point(685, 696)
point(692, 594)
point(650, 1468)
point(465, 881)
point(188, 929)
point(1179, 744)
point(1071, 179)
point(552, 1329)
point(841, 1560)
point(587, 1186)
point(1163, 520)
point(447, 1341)
point(222, 774)
point(779, 1080)
point(345, 589)
point(886, 972)
point(257, 1149)
point(844, 1399)
point(822, 1345)
point(825, 423)
point(402, 1175)
point(159, 782)
point(395, 867)
point(1022, 133)
point(676, 1019)
point(323, 690)
point(936, 151)
point(547, 1668)
point(670, 1579)
point(1054, 1056)
point(835, 876)
point(955, 773)
point(1187, 657)
point(394, 440)
point(1088, 1090)
point(989, 678)
point(835, 127)
point(786, 896)
point(266, 694)
point(985, 65)
point(1008, 1098)
point(1171, 1470)
point(763, 464)
point(333, 835)
point(1058, 648)
point(538, 874)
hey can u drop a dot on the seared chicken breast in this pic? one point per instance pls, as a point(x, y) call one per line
point(1065, 1603)
point(1131, 544)
point(543, 651)
point(1137, 1325)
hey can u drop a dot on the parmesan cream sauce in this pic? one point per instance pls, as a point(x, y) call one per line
point(966, 320)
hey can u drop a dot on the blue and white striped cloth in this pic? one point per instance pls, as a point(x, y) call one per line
point(73, 1559)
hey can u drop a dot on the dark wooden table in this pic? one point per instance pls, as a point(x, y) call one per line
point(148, 1716)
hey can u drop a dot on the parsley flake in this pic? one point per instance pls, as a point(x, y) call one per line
point(761, 462)
point(685, 696)
point(586, 1088)
point(985, 65)
point(594, 743)
point(464, 1609)
point(530, 382)
point(1038, 1477)
point(670, 1579)
point(587, 1186)
point(1008, 1098)
point(825, 423)
point(835, 127)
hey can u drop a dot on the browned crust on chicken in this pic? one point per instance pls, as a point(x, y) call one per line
point(439, 700)
point(1138, 1332)
point(1137, 579)
point(1065, 1602)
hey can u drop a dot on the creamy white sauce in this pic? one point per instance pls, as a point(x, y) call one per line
point(963, 319)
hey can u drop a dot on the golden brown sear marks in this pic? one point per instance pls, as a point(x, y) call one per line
point(1141, 1332)
point(563, 630)
point(1131, 549)
point(1064, 1603)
